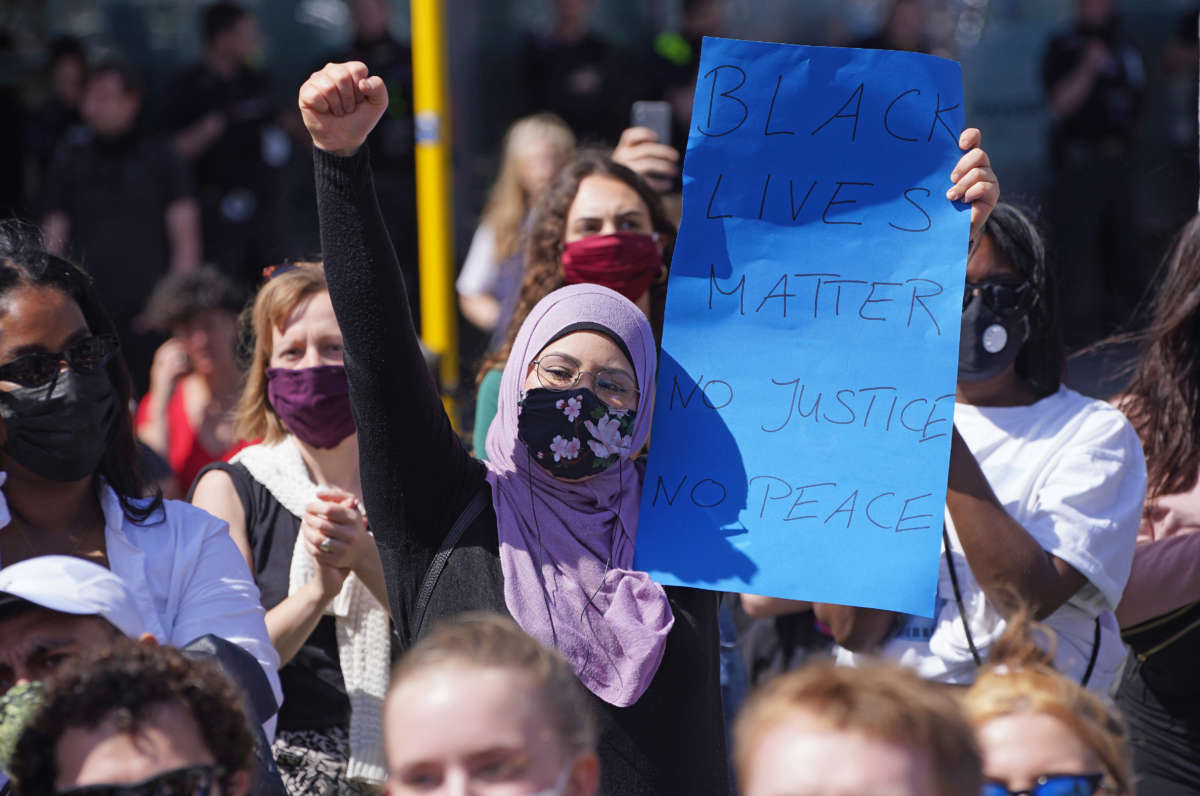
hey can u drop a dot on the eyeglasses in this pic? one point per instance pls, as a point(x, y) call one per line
point(1050, 785)
point(83, 356)
point(1003, 297)
point(616, 388)
point(190, 781)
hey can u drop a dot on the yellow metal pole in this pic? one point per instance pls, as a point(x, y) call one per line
point(435, 224)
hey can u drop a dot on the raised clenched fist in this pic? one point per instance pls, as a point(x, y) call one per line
point(341, 104)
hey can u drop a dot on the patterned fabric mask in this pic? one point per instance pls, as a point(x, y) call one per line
point(16, 708)
point(572, 433)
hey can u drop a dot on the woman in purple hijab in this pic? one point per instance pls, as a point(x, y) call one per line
point(545, 532)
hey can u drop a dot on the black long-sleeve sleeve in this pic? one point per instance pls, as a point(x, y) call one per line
point(416, 475)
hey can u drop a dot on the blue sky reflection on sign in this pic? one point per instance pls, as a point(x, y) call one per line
point(806, 388)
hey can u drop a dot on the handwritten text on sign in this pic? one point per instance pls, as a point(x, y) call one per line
point(806, 390)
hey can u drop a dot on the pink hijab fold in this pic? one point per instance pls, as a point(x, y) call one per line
point(566, 547)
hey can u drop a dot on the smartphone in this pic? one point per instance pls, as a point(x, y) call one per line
point(653, 114)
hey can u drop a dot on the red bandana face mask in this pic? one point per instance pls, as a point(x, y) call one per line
point(627, 262)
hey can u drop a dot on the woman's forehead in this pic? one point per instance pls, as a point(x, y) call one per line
point(588, 348)
point(599, 194)
point(39, 316)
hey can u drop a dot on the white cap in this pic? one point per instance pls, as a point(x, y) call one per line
point(72, 585)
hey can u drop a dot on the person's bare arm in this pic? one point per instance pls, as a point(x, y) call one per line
point(183, 233)
point(856, 629)
point(192, 141)
point(480, 309)
point(762, 607)
point(292, 621)
point(216, 494)
point(168, 368)
point(1007, 562)
point(1068, 94)
point(56, 230)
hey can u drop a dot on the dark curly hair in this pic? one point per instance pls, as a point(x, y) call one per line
point(180, 297)
point(548, 227)
point(24, 263)
point(124, 684)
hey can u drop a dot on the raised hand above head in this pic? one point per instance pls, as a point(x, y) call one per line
point(340, 105)
point(974, 180)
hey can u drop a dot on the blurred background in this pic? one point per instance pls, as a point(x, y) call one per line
point(618, 51)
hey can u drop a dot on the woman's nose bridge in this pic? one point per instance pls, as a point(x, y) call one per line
point(587, 374)
point(312, 355)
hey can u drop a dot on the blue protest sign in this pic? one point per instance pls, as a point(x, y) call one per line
point(806, 387)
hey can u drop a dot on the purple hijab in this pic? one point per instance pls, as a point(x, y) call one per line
point(566, 547)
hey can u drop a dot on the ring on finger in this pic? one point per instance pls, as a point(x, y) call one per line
point(326, 545)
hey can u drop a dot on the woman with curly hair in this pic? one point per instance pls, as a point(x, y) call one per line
point(1160, 612)
point(599, 223)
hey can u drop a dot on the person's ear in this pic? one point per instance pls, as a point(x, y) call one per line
point(239, 784)
point(584, 779)
point(148, 639)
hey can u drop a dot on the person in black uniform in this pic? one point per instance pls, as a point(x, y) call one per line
point(392, 140)
point(222, 120)
point(1094, 78)
point(111, 185)
point(572, 72)
point(66, 74)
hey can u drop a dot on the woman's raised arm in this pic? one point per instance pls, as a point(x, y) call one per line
point(416, 475)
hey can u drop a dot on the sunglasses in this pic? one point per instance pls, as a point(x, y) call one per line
point(190, 781)
point(1002, 296)
point(83, 356)
point(1050, 785)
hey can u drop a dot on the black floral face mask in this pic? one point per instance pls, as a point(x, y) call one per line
point(572, 433)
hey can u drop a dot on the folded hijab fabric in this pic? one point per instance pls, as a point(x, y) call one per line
point(566, 547)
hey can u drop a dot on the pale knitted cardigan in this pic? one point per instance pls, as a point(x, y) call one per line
point(363, 635)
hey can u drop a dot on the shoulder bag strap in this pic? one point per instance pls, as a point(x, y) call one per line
point(476, 505)
point(1087, 674)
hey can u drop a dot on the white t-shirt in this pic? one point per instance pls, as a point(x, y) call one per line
point(480, 270)
point(1070, 470)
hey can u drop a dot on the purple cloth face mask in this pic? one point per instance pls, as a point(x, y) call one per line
point(313, 403)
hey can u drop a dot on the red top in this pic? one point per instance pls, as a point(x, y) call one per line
point(185, 453)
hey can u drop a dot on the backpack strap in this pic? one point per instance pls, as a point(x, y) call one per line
point(474, 507)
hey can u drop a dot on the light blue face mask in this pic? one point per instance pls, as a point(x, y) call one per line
point(16, 708)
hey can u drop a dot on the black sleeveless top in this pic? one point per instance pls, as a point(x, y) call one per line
point(314, 694)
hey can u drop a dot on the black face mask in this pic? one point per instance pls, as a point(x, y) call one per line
point(990, 340)
point(572, 433)
point(60, 430)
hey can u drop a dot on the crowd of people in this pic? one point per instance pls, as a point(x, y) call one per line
point(245, 550)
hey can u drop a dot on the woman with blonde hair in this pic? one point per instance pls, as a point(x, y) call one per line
point(535, 147)
point(293, 504)
point(1041, 733)
point(479, 701)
